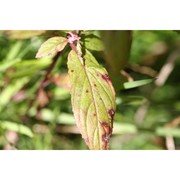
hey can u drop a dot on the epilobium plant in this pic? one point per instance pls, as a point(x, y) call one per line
point(92, 93)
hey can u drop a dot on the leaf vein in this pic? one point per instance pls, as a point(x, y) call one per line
point(102, 87)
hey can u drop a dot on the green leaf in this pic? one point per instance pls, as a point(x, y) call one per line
point(61, 93)
point(94, 43)
point(133, 100)
point(51, 46)
point(23, 34)
point(33, 62)
point(124, 128)
point(64, 118)
point(33, 67)
point(134, 84)
point(93, 99)
point(14, 50)
point(168, 131)
point(16, 127)
point(117, 48)
point(10, 90)
point(7, 64)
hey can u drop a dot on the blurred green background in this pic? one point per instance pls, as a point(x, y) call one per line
point(147, 117)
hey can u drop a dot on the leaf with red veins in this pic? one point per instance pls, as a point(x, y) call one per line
point(51, 46)
point(93, 99)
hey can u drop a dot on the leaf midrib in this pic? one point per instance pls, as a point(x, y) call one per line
point(92, 93)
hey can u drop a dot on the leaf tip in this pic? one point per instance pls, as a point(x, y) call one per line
point(107, 133)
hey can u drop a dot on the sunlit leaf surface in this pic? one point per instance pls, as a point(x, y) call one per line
point(93, 99)
point(51, 47)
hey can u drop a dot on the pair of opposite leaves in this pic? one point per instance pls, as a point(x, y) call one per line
point(92, 93)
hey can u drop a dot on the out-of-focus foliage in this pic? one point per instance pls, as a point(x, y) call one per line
point(147, 117)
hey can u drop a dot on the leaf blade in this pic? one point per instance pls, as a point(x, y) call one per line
point(7, 93)
point(134, 84)
point(117, 44)
point(93, 99)
point(51, 46)
point(94, 44)
point(22, 129)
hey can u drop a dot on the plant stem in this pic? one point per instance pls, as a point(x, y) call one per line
point(44, 83)
point(48, 72)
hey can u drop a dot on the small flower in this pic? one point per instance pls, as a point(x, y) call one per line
point(72, 37)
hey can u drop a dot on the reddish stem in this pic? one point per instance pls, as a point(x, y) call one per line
point(44, 82)
point(48, 72)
